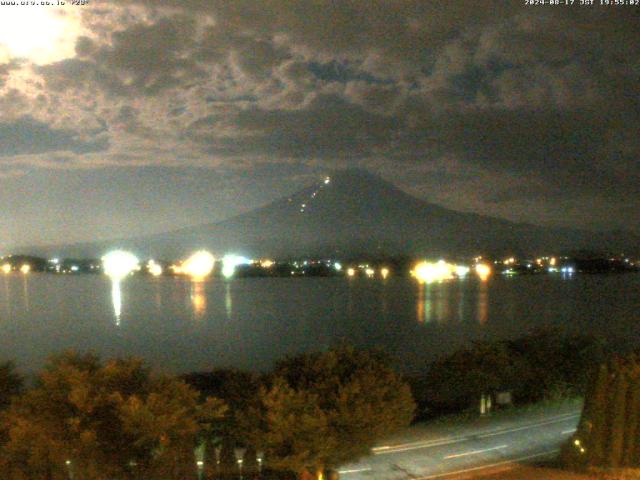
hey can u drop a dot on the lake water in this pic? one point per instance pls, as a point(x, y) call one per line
point(180, 326)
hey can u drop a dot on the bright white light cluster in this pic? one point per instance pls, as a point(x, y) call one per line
point(230, 262)
point(154, 268)
point(429, 272)
point(461, 270)
point(118, 264)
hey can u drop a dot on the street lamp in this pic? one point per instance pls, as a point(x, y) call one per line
point(217, 451)
point(239, 453)
point(133, 468)
point(200, 465)
point(69, 469)
point(199, 453)
point(260, 459)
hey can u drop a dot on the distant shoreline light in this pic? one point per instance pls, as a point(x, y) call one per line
point(119, 264)
point(199, 265)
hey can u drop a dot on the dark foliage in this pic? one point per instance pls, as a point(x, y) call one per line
point(607, 435)
point(541, 365)
point(322, 409)
point(96, 421)
point(11, 384)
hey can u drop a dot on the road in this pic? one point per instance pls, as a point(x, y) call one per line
point(446, 452)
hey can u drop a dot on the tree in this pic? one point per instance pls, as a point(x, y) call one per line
point(295, 430)
point(10, 384)
point(607, 435)
point(323, 409)
point(594, 418)
point(579, 359)
point(239, 390)
point(630, 448)
point(542, 364)
point(618, 418)
point(457, 381)
point(543, 376)
point(104, 421)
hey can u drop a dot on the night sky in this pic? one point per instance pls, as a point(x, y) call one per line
point(127, 118)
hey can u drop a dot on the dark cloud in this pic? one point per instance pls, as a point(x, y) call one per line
point(140, 59)
point(566, 151)
point(28, 136)
point(329, 128)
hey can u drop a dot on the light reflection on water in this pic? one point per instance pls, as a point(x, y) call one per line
point(228, 300)
point(441, 303)
point(384, 299)
point(198, 299)
point(116, 299)
point(248, 323)
point(158, 295)
point(483, 303)
point(461, 298)
point(423, 307)
point(445, 302)
point(25, 291)
point(7, 297)
point(436, 301)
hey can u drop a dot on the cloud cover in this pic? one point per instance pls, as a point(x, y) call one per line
point(528, 113)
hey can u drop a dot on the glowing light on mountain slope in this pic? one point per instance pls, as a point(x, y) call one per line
point(304, 206)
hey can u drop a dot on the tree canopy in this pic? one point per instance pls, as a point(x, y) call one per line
point(11, 384)
point(320, 410)
point(99, 421)
point(542, 364)
point(607, 434)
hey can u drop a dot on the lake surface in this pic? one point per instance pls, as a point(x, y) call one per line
point(179, 326)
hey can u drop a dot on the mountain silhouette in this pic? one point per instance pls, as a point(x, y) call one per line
point(353, 212)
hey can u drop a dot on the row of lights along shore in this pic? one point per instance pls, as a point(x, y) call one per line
point(119, 264)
